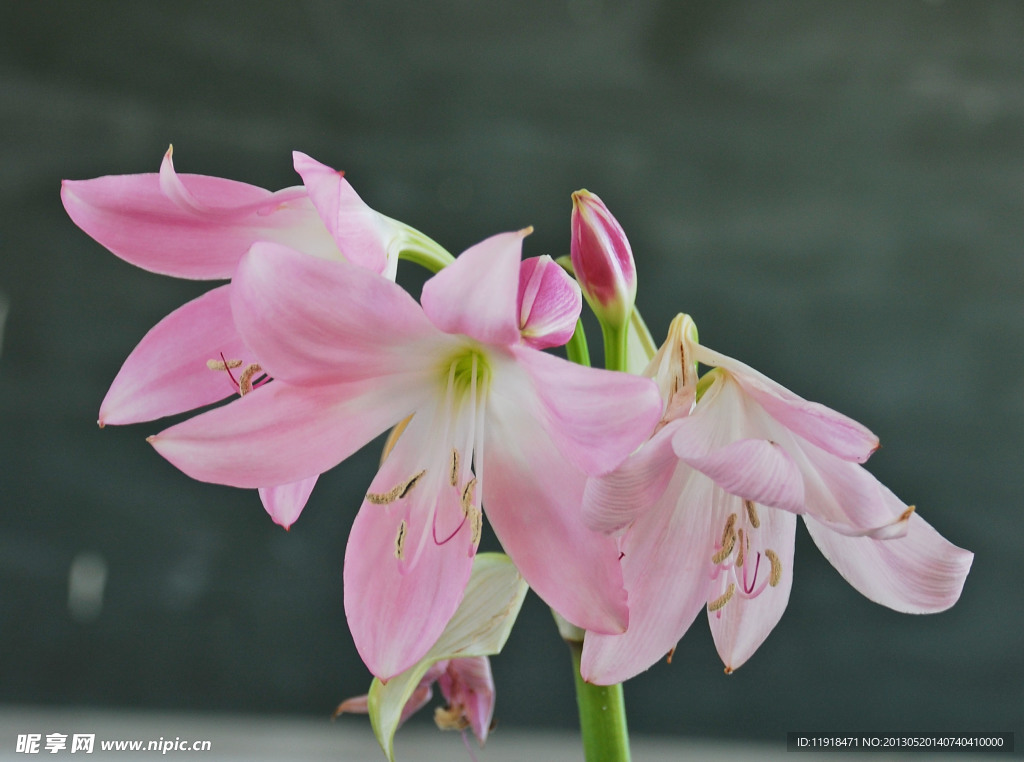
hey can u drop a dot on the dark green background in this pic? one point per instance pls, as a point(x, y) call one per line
point(833, 190)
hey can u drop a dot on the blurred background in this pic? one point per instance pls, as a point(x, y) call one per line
point(833, 190)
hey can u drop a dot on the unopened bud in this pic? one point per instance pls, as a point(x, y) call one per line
point(602, 260)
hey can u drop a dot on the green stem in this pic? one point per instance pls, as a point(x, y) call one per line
point(615, 346)
point(576, 348)
point(602, 716)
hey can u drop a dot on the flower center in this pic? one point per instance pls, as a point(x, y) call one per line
point(467, 373)
point(744, 568)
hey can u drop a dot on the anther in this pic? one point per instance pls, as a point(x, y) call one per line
point(752, 516)
point(395, 493)
point(476, 518)
point(245, 380)
point(400, 541)
point(726, 549)
point(729, 524)
point(453, 477)
point(223, 364)
point(670, 654)
point(723, 599)
point(468, 494)
point(744, 541)
point(776, 573)
point(450, 718)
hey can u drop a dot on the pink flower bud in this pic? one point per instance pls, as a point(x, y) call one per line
point(602, 259)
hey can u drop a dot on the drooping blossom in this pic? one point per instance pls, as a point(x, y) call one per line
point(706, 513)
point(458, 662)
point(198, 227)
point(495, 423)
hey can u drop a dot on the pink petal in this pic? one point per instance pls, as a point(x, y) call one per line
point(360, 233)
point(819, 425)
point(595, 417)
point(742, 624)
point(549, 303)
point(167, 373)
point(468, 685)
point(919, 573)
point(666, 567)
point(311, 321)
point(847, 498)
point(533, 498)
point(753, 469)
point(404, 574)
point(476, 294)
point(613, 501)
point(284, 503)
point(278, 433)
point(190, 226)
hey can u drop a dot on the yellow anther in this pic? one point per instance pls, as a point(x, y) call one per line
point(223, 364)
point(476, 518)
point(395, 493)
point(776, 573)
point(468, 495)
point(744, 541)
point(453, 477)
point(726, 550)
point(752, 516)
point(400, 541)
point(245, 380)
point(450, 718)
point(729, 524)
point(723, 599)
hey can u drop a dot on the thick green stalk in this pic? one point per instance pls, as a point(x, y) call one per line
point(602, 716)
point(615, 346)
point(601, 707)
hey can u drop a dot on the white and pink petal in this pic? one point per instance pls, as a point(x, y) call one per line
point(919, 573)
point(184, 362)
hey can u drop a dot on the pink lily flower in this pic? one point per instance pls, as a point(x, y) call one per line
point(198, 227)
point(495, 422)
point(706, 513)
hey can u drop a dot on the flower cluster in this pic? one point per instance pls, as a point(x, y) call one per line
point(628, 498)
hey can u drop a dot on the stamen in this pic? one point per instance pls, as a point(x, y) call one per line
point(223, 364)
point(453, 477)
point(752, 516)
point(245, 384)
point(395, 493)
point(744, 541)
point(670, 654)
point(729, 524)
point(450, 718)
point(723, 599)
point(476, 518)
point(776, 573)
point(400, 541)
point(468, 493)
point(726, 550)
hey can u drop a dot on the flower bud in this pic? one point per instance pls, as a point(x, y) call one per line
point(602, 260)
